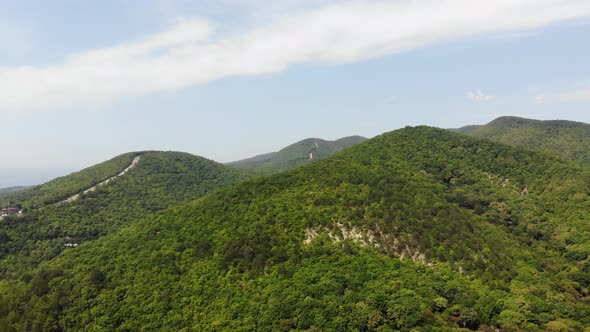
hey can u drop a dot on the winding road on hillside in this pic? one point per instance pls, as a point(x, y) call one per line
point(93, 188)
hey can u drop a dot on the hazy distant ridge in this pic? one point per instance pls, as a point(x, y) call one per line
point(297, 154)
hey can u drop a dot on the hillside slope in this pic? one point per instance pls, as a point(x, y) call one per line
point(71, 214)
point(297, 154)
point(567, 139)
point(417, 228)
point(65, 186)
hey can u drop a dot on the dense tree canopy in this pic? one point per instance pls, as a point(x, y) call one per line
point(418, 229)
point(160, 180)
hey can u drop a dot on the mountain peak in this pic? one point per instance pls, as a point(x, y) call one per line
point(515, 122)
point(567, 139)
point(512, 121)
point(416, 228)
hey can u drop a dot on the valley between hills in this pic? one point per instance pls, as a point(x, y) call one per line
point(483, 228)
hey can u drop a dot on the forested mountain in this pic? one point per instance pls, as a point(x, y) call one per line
point(65, 186)
point(417, 228)
point(51, 224)
point(297, 154)
point(568, 139)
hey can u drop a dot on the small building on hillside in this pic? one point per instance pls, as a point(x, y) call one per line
point(70, 242)
point(8, 211)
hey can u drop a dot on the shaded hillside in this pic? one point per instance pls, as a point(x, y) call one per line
point(159, 180)
point(568, 139)
point(297, 154)
point(417, 228)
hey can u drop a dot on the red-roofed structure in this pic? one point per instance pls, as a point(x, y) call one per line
point(8, 211)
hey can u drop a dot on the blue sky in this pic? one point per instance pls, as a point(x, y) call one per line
point(84, 81)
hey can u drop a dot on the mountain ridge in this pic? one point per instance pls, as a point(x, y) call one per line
point(53, 219)
point(296, 154)
point(567, 139)
point(416, 228)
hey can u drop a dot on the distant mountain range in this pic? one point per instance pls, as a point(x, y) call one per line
point(11, 189)
point(416, 229)
point(11, 177)
point(295, 155)
point(568, 139)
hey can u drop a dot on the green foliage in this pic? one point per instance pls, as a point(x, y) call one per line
point(417, 229)
point(7, 194)
point(160, 180)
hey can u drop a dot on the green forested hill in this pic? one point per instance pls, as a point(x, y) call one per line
point(297, 154)
point(568, 139)
point(419, 229)
point(159, 180)
point(65, 186)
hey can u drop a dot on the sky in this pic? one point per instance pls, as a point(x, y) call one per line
point(84, 81)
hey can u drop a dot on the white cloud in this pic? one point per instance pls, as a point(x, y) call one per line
point(188, 54)
point(479, 96)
